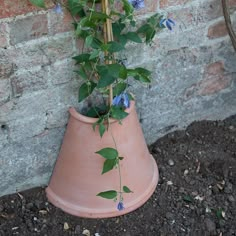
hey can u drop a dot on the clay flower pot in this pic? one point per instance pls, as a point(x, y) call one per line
point(77, 178)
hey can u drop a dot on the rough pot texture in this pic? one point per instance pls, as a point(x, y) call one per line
point(77, 178)
point(194, 78)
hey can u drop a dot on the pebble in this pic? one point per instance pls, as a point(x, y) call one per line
point(210, 225)
point(86, 232)
point(77, 229)
point(186, 172)
point(29, 205)
point(228, 188)
point(1, 208)
point(170, 162)
point(231, 198)
point(169, 183)
point(169, 215)
point(66, 226)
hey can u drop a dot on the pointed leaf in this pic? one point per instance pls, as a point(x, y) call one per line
point(102, 129)
point(118, 113)
point(94, 54)
point(115, 47)
point(119, 88)
point(38, 3)
point(108, 153)
point(133, 37)
point(126, 189)
point(85, 90)
point(88, 40)
point(111, 194)
point(108, 165)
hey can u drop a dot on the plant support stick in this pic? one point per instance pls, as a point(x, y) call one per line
point(108, 36)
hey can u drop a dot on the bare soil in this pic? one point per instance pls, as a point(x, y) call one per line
point(196, 194)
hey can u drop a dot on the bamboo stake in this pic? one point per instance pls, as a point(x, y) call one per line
point(108, 36)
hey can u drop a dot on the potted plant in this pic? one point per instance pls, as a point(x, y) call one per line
point(104, 168)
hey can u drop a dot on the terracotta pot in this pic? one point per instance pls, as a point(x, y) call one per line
point(77, 178)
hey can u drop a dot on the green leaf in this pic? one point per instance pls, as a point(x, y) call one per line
point(111, 194)
point(115, 47)
point(143, 29)
point(105, 80)
point(123, 72)
point(140, 74)
point(98, 16)
point(94, 54)
point(108, 74)
point(133, 37)
point(108, 153)
point(82, 73)
point(96, 111)
point(126, 189)
point(88, 40)
point(118, 113)
point(187, 198)
point(119, 88)
point(82, 58)
point(219, 214)
point(96, 43)
point(150, 35)
point(75, 8)
point(143, 71)
point(102, 129)
point(127, 7)
point(108, 165)
point(86, 89)
point(117, 28)
point(38, 3)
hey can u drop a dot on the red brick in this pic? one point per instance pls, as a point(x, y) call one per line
point(30, 81)
point(6, 67)
point(5, 90)
point(150, 6)
point(188, 16)
point(60, 22)
point(9, 8)
point(3, 35)
point(232, 3)
point(31, 27)
point(170, 3)
point(217, 30)
point(214, 79)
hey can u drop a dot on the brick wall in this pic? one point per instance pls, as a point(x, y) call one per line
point(194, 78)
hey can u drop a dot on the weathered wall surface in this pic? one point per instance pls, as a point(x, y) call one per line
point(194, 78)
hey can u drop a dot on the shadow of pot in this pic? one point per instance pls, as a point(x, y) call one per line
point(77, 178)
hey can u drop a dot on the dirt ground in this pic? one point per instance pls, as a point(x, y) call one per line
point(196, 194)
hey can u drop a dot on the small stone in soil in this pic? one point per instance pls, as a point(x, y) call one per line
point(171, 162)
point(86, 232)
point(77, 229)
point(66, 226)
point(210, 225)
point(231, 198)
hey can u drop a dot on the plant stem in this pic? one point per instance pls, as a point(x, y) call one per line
point(228, 23)
point(119, 169)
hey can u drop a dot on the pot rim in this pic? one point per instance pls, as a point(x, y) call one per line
point(92, 120)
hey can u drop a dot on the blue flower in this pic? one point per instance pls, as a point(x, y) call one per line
point(120, 206)
point(58, 8)
point(121, 100)
point(167, 23)
point(137, 4)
